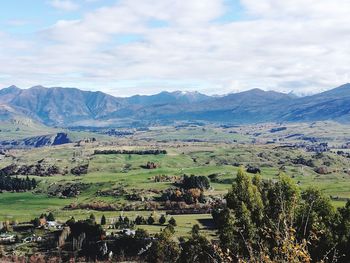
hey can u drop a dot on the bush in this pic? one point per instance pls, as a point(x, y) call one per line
point(201, 182)
point(150, 220)
point(103, 220)
point(172, 221)
point(162, 220)
point(140, 220)
point(50, 217)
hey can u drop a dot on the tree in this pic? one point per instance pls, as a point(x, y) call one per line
point(70, 221)
point(343, 230)
point(271, 221)
point(92, 218)
point(259, 217)
point(164, 248)
point(141, 234)
point(50, 217)
point(36, 222)
point(197, 249)
point(195, 230)
point(150, 220)
point(126, 222)
point(16, 184)
point(317, 216)
point(172, 221)
point(139, 220)
point(162, 220)
point(103, 220)
point(201, 182)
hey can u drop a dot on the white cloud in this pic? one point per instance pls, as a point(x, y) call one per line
point(300, 45)
point(65, 5)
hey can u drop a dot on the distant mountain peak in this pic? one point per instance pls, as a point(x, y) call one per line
point(13, 87)
point(9, 89)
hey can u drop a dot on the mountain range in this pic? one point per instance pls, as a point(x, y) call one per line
point(70, 107)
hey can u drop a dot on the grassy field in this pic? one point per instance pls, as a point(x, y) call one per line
point(220, 155)
point(22, 128)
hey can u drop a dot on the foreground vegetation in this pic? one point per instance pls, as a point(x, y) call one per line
point(262, 221)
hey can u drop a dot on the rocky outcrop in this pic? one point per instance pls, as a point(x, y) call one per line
point(116, 192)
point(37, 141)
point(253, 170)
point(80, 170)
point(34, 169)
point(322, 170)
point(66, 190)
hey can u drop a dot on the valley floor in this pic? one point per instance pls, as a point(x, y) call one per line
point(123, 182)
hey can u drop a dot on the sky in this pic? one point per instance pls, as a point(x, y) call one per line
point(127, 47)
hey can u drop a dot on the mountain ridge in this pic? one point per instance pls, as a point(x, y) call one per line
point(59, 106)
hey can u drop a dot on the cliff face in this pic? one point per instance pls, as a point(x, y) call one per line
point(37, 141)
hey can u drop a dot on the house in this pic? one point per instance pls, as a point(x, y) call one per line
point(32, 238)
point(7, 238)
point(53, 224)
point(128, 232)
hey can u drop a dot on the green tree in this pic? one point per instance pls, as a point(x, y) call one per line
point(197, 249)
point(92, 218)
point(36, 222)
point(162, 220)
point(164, 248)
point(343, 231)
point(50, 217)
point(256, 211)
point(141, 234)
point(70, 221)
point(150, 220)
point(317, 216)
point(172, 221)
point(139, 220)
point(103, 220)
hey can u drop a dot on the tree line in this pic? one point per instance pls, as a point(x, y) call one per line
point(16, 184)
point(139, 152)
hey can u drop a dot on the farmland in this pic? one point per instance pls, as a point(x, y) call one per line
point(219, 155)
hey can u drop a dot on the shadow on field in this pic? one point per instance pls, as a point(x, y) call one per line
point(207, 223)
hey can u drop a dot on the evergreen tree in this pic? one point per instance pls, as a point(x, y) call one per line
point(71, 221)
point(139, 220)
point(36, 222)
point(197, 249)
point(150, 220)
point(164, 248)
point(50, 217)
point(103, 220)
point(172, 221)
point(92, 218)
point(162, 220)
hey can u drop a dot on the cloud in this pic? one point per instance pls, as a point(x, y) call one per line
point(65, 5)
point(299, 45)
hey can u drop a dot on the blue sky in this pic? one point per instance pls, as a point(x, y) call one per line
point(25, 17)
point(127, 47)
